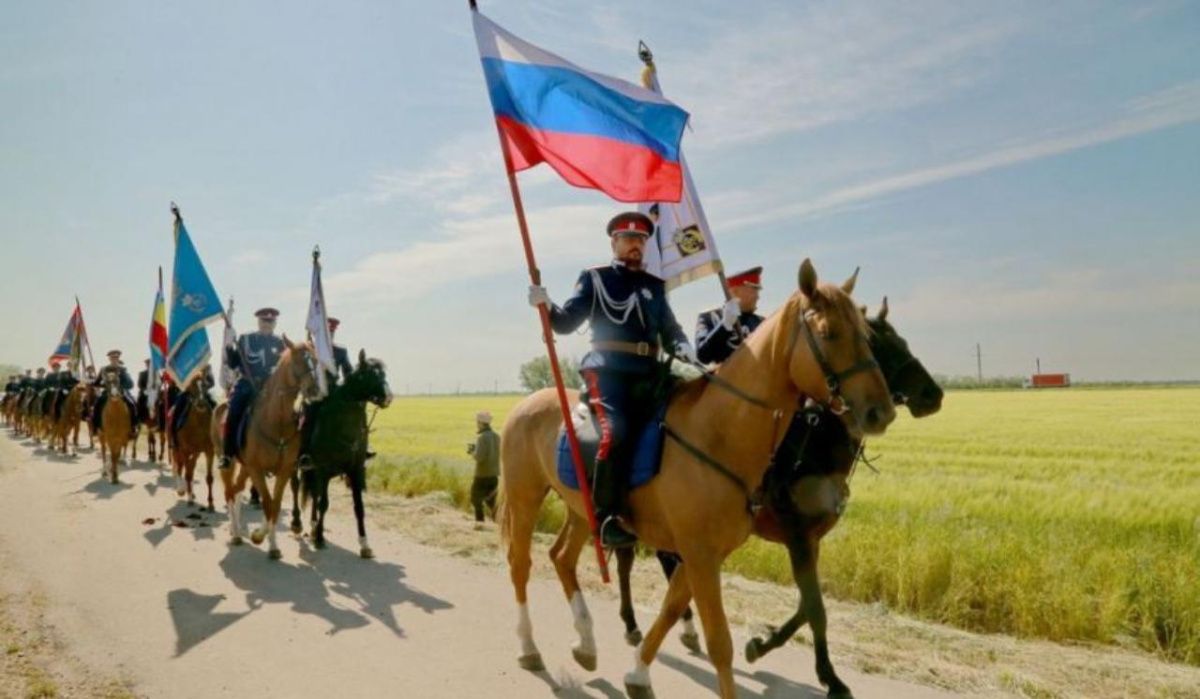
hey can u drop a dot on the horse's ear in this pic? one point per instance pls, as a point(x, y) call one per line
point(808, 279)
point(362, 356)
point(848, 285)
point(288, 343)
point(883, 309)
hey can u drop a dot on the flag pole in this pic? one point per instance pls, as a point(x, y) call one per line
point(535, 277)
point(649, 81)
point(83, 329)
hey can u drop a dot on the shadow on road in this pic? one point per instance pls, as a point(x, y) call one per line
point(774, 686)
point(321, 585)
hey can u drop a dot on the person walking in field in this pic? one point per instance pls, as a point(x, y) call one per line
point(486, 451)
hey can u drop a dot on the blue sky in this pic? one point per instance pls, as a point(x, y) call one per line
point(1022, 175)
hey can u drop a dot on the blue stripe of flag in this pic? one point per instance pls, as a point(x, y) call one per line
point(565, 101)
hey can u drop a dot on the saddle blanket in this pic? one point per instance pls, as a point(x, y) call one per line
point(647, 455)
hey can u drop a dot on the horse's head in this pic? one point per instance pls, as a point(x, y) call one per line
point(906, 377)
point(112, 382)
point(369, 382)
point(298, 367)
point(830, 357)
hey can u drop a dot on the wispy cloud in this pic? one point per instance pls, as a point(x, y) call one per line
point(1170, 107)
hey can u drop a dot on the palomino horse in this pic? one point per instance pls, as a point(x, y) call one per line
point(806, 490)
point(271, 446)
point(154, 420)
point(339, 447)
point(68, 420)
point(116, 426)
point(722, 433)
point(191, 441)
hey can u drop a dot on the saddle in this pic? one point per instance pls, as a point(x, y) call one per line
point(647, 456)
point(243, 427)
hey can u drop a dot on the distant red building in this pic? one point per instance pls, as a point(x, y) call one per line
point(1049, 381)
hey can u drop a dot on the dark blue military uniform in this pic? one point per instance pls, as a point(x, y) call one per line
point(254, 359)
point(126, 385)
point(715, 342)
point(631, 322)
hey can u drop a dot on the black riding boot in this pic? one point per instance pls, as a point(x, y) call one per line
point(608, 486)
point(307, 427)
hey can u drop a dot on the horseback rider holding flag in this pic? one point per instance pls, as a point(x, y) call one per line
point(631, 325)
point(254, 357)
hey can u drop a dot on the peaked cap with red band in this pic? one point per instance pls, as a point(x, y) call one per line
point(751, 278)
point(630, 222)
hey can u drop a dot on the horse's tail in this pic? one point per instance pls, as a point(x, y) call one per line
point(308, 484)
point(503, 514)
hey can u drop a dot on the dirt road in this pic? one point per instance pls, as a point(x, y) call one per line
point(175, 612)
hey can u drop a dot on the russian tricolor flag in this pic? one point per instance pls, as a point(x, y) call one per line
point(596, 131)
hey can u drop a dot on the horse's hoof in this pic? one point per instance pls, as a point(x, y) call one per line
point(842, 692)
point(639, 691)
point(587, 661)
point(319, 544)
point(257, 536)
point(691, 641)
point(532, 662)
point(274, 554)
point(297, 529)
point(180, 492)
point(210, 508)
point(366, 552)
point(753, 650)
point(235, 541)
point(634, 638)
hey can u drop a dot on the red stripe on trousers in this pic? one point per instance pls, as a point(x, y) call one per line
point(593, 385)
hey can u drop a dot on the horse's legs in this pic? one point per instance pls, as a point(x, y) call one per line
point(137, 432)
point(234, 479)
point(190, 476)
point(271, 510)
point(360, 514)
point(804, 552)
point(758, 647)
point(633, 634)
point(321, 502)
point(518, 518)
point(637, 681)
point(208, 477)
point(294, 482)
point(690, 639)
point(565, 556)
point(705, 579)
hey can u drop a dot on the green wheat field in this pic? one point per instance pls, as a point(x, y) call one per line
point(1071, 515)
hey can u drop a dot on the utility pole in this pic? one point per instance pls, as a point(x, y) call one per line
point(1039, 365)
point(979, 361)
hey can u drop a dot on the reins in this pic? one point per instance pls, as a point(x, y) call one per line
point(833, 382)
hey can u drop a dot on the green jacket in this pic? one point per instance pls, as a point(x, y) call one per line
point(487, 454)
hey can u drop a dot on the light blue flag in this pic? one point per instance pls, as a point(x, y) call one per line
point(194, 304)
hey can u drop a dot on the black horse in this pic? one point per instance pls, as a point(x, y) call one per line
point(804, 494)
point(339, 447)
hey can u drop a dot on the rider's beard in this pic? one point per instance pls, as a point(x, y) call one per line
point(632, 260)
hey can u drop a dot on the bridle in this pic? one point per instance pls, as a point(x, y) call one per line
point(835, 404)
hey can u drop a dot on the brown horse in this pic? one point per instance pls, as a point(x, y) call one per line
point(723, 434)
point(191, 441)
point(116, 425)
point(68, 420)
point(154, 422)
point(272, 443)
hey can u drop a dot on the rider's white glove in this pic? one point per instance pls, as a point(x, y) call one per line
point(729, 315)
point(539, 296)
point(685, 352)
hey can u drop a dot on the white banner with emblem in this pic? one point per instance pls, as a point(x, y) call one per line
point(682, 248)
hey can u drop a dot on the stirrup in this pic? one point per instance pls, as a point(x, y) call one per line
point(224, 463)
point(304, 463)
point(615, 536)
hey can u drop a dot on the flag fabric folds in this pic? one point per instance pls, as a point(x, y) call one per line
point(70, 345)
point(157, 339)
point(596, 131)
point(317, 325)
point(682, 248)
point(194, 304)
point(229, 340)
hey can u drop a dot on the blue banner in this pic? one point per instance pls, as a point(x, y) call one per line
point(194, 304)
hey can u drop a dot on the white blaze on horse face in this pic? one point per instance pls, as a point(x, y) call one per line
point(525, 630)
